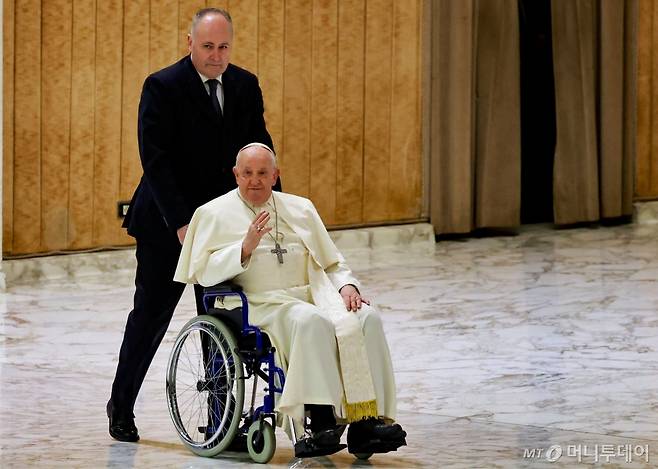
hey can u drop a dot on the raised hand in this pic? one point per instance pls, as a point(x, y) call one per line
point(257, 229)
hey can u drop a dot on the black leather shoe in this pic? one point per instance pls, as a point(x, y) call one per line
point(321, 443)
point(374, 436)
point(122, 426)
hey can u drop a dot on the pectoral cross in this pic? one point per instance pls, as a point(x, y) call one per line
point(279, 252)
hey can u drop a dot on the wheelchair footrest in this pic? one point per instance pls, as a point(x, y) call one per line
point(207, 430)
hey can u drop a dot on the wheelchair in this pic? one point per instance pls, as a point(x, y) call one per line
point(212, 358)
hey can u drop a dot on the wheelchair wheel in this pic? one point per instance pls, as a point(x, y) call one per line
point(205, 389)
point(261, 444)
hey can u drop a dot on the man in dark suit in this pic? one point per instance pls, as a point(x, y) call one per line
point(194, 116)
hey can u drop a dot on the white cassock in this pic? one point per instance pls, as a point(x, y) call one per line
point(289, 301)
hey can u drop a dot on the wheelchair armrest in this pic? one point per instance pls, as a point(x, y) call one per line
point(210, 294)
point(222, 288)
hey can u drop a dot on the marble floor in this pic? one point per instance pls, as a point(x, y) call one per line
point(535, 350)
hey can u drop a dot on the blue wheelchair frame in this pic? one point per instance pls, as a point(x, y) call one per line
point(253, 359)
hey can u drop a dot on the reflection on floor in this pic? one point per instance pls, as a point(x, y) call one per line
point(509, 352)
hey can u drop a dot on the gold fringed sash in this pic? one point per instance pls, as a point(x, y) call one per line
point(360, 410)
point(360, 401)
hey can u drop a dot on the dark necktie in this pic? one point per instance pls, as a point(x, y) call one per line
point(212, 84)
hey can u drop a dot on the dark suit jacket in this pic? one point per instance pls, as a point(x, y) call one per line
point(187, 150)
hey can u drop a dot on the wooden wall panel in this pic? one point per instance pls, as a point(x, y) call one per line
point(27, 128)
point(217, 4)
point(350, 107)
point(57, 16)
point(643, 166)
point(341, 81)
point(186, 10)
point(107, 127)
point(8, 125)
point(270, 70)
point(646, 179)
point(324, 49)
point(377, 116)
point(81, 169)
point(405, 150)
point(164, 33)
point(294, 158)
point(136, 31)
point(653, 158)
point(245, 30)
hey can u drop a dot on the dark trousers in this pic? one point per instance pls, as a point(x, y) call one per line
point(156, 297)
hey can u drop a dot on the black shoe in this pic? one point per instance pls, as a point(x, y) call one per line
point(321, 443)
point(374, 436)
point(122, 425)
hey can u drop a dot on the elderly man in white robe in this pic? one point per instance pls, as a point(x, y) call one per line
point(329, 341)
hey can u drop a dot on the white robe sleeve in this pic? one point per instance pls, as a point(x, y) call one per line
point(208, 256)
point(338, 272)
point(341, 275)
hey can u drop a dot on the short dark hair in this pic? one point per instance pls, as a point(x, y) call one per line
point(199, 15)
